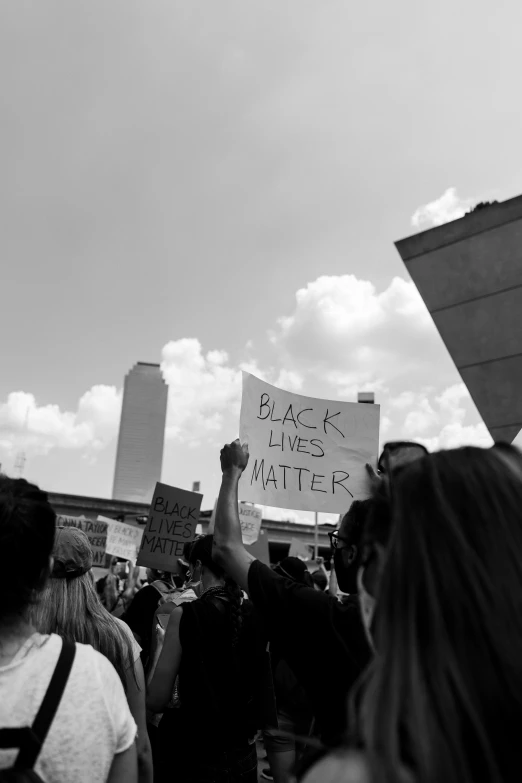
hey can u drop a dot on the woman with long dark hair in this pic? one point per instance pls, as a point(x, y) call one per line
point(214, 645)
point(441, 592)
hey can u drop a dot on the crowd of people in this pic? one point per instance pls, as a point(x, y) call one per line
point(404, 667)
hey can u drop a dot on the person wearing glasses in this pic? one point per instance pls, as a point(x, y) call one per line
point(441, 588)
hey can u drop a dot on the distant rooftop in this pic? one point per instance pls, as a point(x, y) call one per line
point(148, 364)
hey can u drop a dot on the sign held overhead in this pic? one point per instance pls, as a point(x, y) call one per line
point(305, 453)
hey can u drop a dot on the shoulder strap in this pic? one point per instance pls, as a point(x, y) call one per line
point(160, 586)
point(44, 718)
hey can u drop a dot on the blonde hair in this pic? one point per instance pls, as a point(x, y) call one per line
point(72, 609)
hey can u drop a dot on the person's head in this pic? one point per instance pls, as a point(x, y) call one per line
point(294, 568)
point(320, 580)
point(444, 692)
point(153, 574)
point(347, 545)
point(374, 527)
point(69, 604)
point(207, 574)
point(27, 526)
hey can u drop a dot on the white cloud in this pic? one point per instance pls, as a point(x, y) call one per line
point(439, 420)
point(343, 336)
point(443, 210)
point(344, 331)
point(204, 388)
point(37, 429)
point(289, 380)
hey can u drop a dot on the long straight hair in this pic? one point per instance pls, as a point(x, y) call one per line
point(72, 609)
point(443, 696)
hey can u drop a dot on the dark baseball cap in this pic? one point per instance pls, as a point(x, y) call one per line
point(72, 553)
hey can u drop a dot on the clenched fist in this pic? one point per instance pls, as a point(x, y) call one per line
point(234, 457)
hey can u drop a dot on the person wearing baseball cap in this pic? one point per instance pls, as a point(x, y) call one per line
point(70, 606)
point(72, 553)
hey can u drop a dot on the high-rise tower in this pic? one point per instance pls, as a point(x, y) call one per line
point(142, 432)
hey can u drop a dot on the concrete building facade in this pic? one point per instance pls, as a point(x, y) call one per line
point(139, 455)
point(280, 534)
point(469, 273)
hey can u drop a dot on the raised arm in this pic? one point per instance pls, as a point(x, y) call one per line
point(229, 550)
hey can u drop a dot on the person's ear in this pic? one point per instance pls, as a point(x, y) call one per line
point(373, 570)
point(351, 552)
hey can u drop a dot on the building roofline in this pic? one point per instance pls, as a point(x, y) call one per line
point(141, 509)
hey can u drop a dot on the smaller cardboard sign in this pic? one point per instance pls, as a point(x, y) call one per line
point(260, 549)
point(173, 516)
point(301, 550)
point(250, 518)
point(95, 531)
point(123, 540)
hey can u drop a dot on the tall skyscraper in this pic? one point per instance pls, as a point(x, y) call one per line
point(142, 433)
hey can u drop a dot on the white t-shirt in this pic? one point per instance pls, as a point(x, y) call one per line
point(93, 721)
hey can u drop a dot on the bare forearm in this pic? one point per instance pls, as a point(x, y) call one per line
point(145, 768)
point(227, 531)
point(228, 549)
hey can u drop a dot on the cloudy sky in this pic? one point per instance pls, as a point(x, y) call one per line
point(217, 185)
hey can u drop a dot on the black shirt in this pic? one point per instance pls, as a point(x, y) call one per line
point(322, 640)
point(219, 684)
point(140, 616)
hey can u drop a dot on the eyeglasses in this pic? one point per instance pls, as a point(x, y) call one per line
point(400, 452)
point(335, 538)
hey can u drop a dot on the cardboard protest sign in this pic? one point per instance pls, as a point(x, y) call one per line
point(305, 453)
point(123, 540)
point(95, 531)
point(173, 516)
point(250, 519)
point(301, 550)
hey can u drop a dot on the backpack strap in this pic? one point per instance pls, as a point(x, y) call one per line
point(36, 735)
